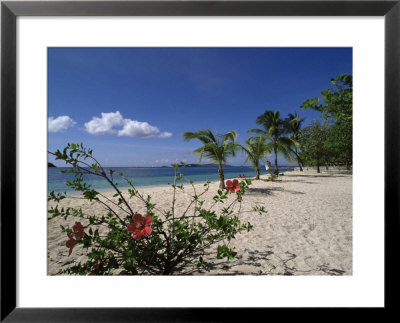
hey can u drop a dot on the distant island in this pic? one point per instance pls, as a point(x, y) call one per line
point(207, 165)
point(50, 165)
point(201, 165)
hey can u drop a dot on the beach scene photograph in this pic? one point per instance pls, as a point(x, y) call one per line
point(200, 161)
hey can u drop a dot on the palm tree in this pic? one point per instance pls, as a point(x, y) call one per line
point(274, 129)
point(293, 126)
point(256, 148)
point(216, 147)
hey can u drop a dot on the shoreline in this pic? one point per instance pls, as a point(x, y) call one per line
point(186, 184)
point(307, 230)
point(185, 181)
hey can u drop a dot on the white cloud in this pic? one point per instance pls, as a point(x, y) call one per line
point(165, 134)
point(105, 124)
point(110, 123)
point(60, 123)
point(133, 128)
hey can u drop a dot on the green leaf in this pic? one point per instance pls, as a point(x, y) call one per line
point(225, 251)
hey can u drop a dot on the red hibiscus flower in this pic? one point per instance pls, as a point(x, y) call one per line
point(78, 230)
point(232, 186)
point(70, 243)
point(95, 267)
point(140, 226)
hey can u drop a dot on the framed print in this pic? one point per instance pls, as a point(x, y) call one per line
point(250, 103)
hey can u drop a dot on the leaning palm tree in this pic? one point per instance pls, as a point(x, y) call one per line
point(293, 126)
point(255, 149)
point(215, 147)
point(274, 128)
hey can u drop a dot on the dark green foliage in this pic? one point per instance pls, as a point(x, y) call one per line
point(339, 143)
point(313, 140)
point(337, 101)
point(337, 107)
point(176, 241)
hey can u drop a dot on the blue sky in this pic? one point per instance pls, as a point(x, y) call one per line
point(131, 105)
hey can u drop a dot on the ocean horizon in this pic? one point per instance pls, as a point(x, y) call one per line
point(151, 176)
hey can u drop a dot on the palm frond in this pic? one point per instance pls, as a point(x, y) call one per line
point(203, 135)
point(286, 141)
point(287, 154)
point(258, 131)
point(199, 151)
point(215, 147)
point(231, 135)
point(256, 148)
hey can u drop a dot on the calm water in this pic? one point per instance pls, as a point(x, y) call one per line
point(150, 176)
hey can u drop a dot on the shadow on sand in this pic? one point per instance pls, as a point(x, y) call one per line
point(256, 257)
point(270, 191)
point(323, 174)
point(298, 181)
point(284, 265)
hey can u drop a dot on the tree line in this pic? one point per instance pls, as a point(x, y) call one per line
point(326, 142)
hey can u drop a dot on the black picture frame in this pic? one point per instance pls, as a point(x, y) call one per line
point(10, 10)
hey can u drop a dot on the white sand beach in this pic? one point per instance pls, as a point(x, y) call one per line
point(307, 229)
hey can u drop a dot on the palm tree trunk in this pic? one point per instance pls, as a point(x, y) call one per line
point(258, 173)
point(221, 176)
point(318, 171)
point(299, 161)
point(276, 170)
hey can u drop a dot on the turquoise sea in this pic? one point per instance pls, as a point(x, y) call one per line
point(150, 176)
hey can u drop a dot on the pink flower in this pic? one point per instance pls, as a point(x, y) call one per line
point(232, 186)
point(140, 226)
point(70, 243)
point(78, 230)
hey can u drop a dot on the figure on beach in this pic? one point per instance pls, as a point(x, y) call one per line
point(268, 167)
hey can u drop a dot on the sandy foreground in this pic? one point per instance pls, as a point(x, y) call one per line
point(307, 230)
